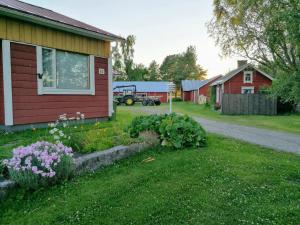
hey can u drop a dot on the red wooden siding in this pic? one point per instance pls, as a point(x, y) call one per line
point(1, 88)
point(163, 96)
point(235, 84)
point(28, 107)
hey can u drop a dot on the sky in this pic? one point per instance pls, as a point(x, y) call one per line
point(161, 27)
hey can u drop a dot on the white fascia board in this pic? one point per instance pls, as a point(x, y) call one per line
point(7, 84)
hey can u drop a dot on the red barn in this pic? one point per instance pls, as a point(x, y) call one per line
point(191, 90)
point(148, 88)
point(51, 64)
point(246, 79)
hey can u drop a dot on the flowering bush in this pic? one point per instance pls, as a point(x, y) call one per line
point(41, 163)
point(60, 131)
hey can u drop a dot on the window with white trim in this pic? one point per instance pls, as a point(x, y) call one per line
point(247, 90)
point(248, 77)
point(62, 72)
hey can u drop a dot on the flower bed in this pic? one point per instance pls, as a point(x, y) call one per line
point(40, 164)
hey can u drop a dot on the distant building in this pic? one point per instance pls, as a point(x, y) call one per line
point(245, 79)
point(192, 90)
point(149, 88)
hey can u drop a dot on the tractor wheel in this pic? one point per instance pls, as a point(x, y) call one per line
point(151, 103)
point(157, 102)
point(145, 102)
point(129, 101)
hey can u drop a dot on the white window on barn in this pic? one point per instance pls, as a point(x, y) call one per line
point(248, 77)
point(62, 72)
point(247, 90)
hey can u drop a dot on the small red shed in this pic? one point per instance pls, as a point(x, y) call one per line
point(192, 89)
point(246, 79)
point(51, 64)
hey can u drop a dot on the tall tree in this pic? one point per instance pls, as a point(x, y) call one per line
point(123, 54)
point(127, 49)
point(139, 72)
point(266, 32)
point(153, 71)
point(182, 66)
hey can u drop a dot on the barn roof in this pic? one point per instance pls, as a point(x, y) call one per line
point(190, 85)
point(144, 86)
point(45, 16)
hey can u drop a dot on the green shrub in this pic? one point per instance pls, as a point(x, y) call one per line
point(145, 123)
point(174, 130)
point(181, 131)
point(177, 99)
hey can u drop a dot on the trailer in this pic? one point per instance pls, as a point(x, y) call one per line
point(129, 97)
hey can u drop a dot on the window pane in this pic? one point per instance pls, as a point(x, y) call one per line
point(72, 70)
point(48, 72)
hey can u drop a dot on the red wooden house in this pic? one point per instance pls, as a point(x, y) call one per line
point(192, 89)
point(51, 64)
point(246, 79)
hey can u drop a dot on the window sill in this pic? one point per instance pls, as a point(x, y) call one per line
point(66, 92)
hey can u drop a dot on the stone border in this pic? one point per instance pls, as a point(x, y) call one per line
point(93, 161)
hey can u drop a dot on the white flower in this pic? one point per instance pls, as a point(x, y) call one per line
point(56, 137)
point(52, 131)
point(82, 116)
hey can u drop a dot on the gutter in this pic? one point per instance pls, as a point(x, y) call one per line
point(56, 25)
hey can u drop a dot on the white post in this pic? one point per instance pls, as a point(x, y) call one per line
point(7, 84)
point(171, 101)
point(110, 91)
point(171, 87)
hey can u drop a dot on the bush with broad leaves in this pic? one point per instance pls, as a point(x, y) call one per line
point(174, 130)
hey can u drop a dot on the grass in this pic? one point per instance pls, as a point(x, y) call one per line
point(228, 182)
point(97, 137)
point(284, 123)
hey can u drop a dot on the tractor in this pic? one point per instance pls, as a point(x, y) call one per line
point(127, 95)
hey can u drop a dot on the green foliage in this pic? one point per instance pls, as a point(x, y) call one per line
point(266, 32)
point(174, 130)
point(145, 123)
point(182, 66)
point(177, 99)
point(230, 182)
point(213, 95)
point(153, 72)
point(123, 57)
point(181, 131)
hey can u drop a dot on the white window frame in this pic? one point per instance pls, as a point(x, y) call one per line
point(247, 72)
point(247, 88)
point(56, 91)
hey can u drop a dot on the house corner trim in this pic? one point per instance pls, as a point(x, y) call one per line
point(110, 91)
point(7, 83)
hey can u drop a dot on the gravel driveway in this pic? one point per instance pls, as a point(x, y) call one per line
point(271, 139)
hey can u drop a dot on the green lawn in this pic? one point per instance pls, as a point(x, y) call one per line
point(285, 123)
point(228, 182)
point(99, 136)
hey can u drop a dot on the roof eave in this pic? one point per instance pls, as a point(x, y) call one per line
point(56, 25)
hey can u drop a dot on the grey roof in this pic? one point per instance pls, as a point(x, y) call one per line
point(143, 86)
point(234, 72)
point(190, 85)
point(51, 15)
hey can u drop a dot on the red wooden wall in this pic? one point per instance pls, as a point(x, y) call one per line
point(28, 107)
point(235, 84)
point(163, 96)
point(1, 88)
